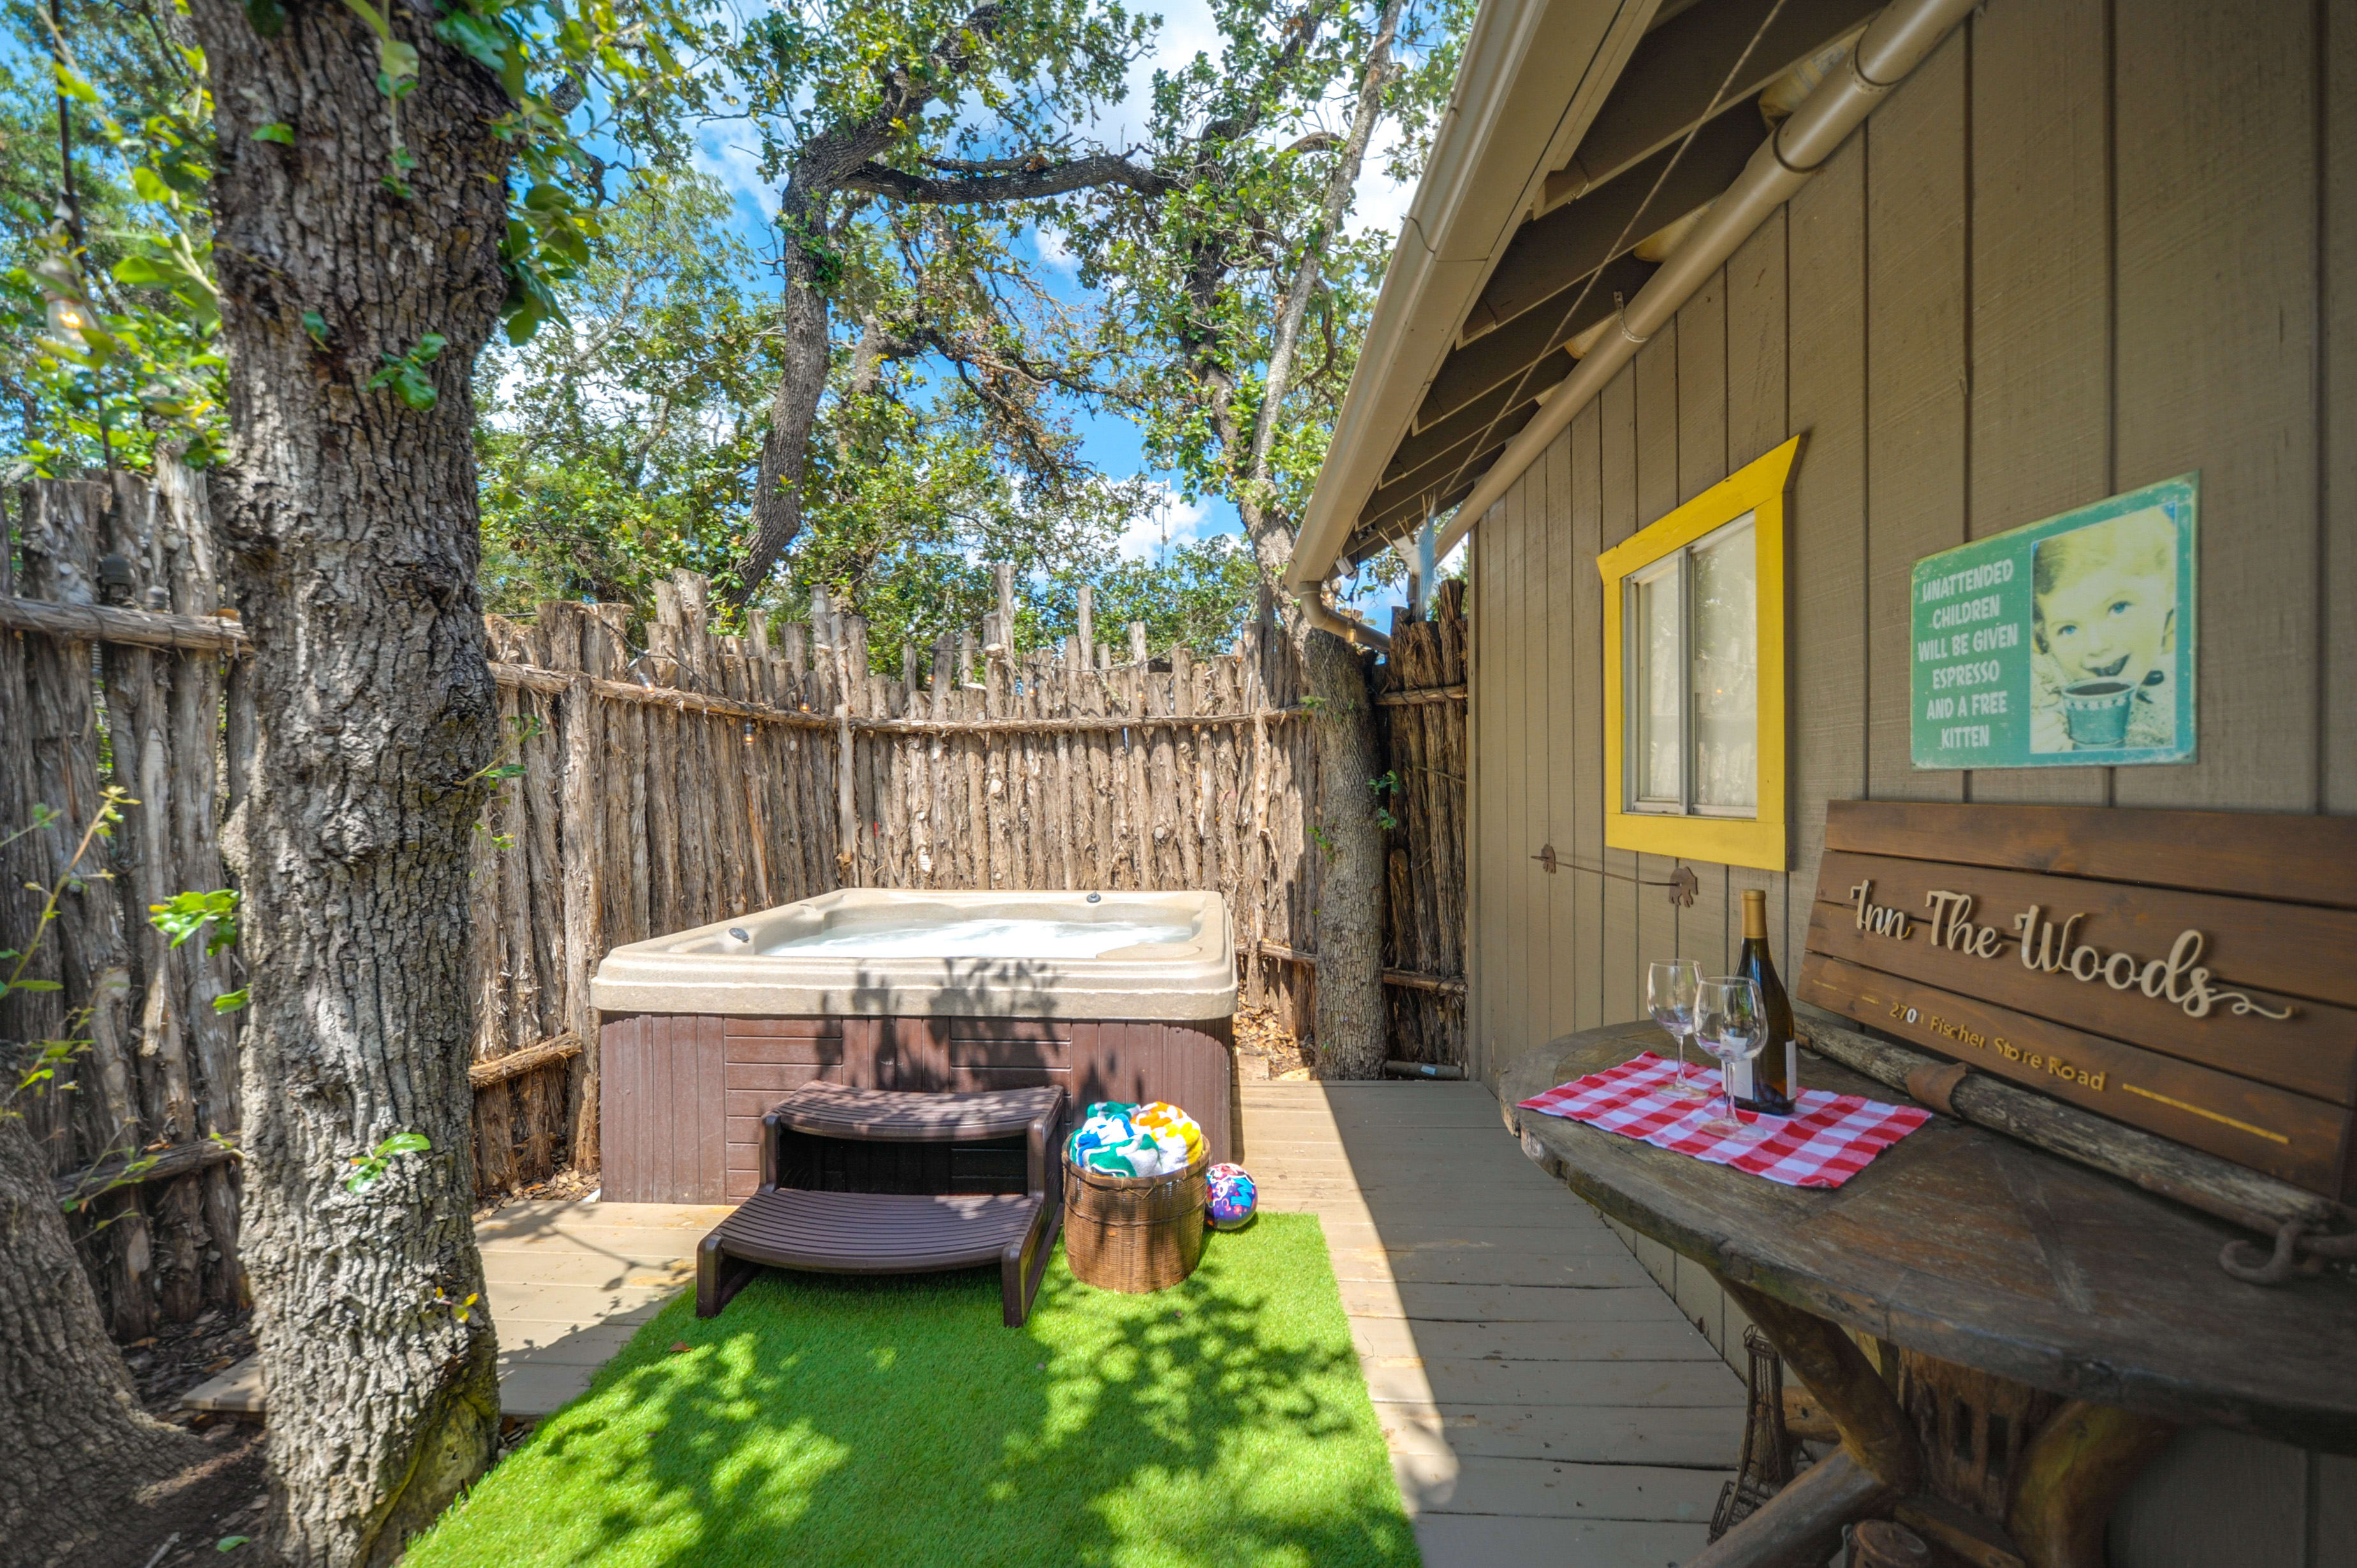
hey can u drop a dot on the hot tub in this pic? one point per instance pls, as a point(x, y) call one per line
point(1107, 995)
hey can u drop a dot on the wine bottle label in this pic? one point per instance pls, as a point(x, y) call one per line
point(1792, 1072)
point(1738, 1079)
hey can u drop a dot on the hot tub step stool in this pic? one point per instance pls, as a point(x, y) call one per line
point(800, 1217)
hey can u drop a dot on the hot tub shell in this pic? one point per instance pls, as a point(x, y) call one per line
point(701, 1032)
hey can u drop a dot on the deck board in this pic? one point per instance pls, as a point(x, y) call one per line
point(568, 1285)
point(1543, 1400)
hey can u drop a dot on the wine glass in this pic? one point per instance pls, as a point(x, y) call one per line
point(1670, 990)
point(1732, 1026)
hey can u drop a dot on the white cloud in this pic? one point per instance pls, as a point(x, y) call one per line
point(738, 169)
point(1383, 202)
point(1054, 251)
point(1188, 29)
point(1171, 521)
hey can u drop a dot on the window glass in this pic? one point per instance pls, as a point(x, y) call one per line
point(1656, 617)
point(1726, 671)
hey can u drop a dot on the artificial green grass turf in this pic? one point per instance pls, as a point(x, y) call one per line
point(879, 1422)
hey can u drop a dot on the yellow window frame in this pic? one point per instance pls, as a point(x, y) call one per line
point(1763, 842)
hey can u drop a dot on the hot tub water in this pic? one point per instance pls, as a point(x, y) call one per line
point(991, 938)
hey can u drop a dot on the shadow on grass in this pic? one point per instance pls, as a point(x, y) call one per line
point(859, 1421)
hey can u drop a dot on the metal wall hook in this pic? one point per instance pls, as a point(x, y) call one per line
point(1683, 883)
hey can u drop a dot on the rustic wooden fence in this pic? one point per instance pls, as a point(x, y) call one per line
point(710, 775)
point(80, 714)
point(1420, 709)
point(664, 776)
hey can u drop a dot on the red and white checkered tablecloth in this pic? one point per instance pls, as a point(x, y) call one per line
point(1832, 1138)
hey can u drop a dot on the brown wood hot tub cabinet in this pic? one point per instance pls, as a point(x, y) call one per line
point(683, 1094)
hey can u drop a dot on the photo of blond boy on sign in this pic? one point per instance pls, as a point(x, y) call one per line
point(2104, 624)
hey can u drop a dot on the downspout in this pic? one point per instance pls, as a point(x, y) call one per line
point(1898, 40)
point(1320, 613)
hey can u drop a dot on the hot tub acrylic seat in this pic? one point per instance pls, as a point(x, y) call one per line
point(789, 1225)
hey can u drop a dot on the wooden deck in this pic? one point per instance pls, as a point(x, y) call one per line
point(568, 1285)
point(1544, 1401)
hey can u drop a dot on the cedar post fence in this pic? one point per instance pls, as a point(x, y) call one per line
point(669, 777)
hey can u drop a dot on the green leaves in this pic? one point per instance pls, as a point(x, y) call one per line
point(406, 373)
point(111, 319)
point(278, 131)
point(481, 40)
point(185, 914)
point(370, 1168)
point(175, 268)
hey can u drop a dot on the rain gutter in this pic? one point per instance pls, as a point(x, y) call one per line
point(1898, 40)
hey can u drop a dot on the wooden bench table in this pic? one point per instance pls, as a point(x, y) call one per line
point(2047, 1326)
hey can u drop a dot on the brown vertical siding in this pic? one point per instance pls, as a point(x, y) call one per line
point(2086, 247)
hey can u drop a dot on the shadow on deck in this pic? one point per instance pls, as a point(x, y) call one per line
point(1545, 1402)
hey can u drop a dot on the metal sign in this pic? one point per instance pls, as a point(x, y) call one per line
point(2068, 642)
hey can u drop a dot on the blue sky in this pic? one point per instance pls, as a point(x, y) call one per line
point(1109, 439)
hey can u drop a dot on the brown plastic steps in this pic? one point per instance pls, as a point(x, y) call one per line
point(802, 1216)
point(875, 1233)
point(839, 1110)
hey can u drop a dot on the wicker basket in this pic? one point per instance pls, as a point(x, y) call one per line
point(1134, 1233)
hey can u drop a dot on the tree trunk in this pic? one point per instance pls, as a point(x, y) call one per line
point(1350, 1026)
point(351, 518)
point(74, 1444)
point(785, 441)
point(1352, 1031)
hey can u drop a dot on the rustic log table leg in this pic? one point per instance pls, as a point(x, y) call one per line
point(2068, 1478)
point(1878, 1461)
point(2071, 1475)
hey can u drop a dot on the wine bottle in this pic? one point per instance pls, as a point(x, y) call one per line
point(1775, 1077)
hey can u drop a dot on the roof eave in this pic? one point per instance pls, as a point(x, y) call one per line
point(1509, 122)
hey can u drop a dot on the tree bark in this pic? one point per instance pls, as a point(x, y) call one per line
point(1348, 1023)
point(1352, 1030)
point(351, 520)
point(793, 409)
point(75, 1445)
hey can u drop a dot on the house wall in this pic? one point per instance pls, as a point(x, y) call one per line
point(2075, 254)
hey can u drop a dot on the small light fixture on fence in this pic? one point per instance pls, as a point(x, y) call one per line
point(67, 319)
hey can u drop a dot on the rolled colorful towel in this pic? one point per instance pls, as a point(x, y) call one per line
point(1118, 1138)
point(1100, 1132)
point(1117, 1160)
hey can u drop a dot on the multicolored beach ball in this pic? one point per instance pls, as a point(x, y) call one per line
point(1230, 1196)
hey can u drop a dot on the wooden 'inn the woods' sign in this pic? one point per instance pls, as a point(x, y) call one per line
point(2187, 972)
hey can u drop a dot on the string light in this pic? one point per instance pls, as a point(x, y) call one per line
point(67, 319)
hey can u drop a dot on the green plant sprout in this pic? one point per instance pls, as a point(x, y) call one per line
point(405, 373)
point(461, 1309)
point(102, 823)
point(185, 914)
point(521, 727)
point(370, 1168)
